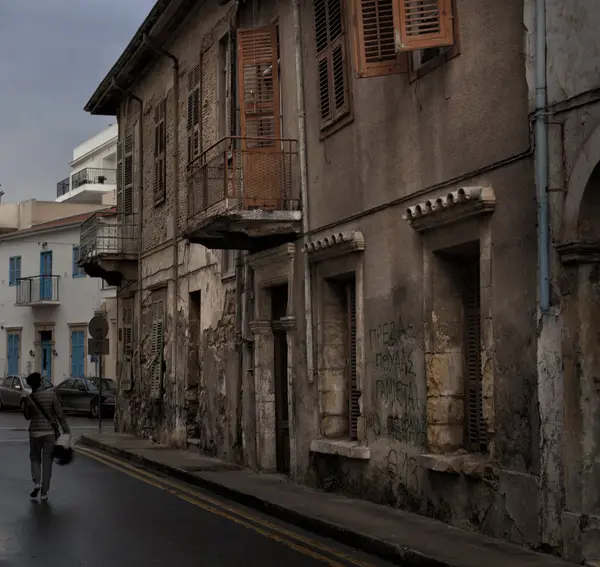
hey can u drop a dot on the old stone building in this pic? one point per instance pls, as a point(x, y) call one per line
point(327, 254)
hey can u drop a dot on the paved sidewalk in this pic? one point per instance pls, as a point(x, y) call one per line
point(397, 536)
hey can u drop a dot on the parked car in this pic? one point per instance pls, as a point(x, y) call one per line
point(13, 392)
point(80, 395)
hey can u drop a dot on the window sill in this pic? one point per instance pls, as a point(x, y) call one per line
point(476, 465)
point(228, 277)
point(341, 448)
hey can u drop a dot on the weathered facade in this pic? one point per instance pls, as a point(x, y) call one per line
point(333, 211)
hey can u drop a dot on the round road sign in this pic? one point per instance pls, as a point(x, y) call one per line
point(98, 327)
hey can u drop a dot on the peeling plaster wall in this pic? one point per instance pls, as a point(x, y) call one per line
point(573, 74)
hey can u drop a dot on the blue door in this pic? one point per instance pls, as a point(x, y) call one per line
point(13, 354)
point(47, 359)
point(45, 272)
point(77, 354)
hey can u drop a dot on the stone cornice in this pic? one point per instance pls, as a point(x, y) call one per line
point(579, 252)
point(451, 207)
point(272, 256)
point(260, 327)
point(334, 245)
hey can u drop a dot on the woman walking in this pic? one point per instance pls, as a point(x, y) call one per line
point(43, 409)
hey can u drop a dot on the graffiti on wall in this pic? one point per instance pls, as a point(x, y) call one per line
point(398, 413)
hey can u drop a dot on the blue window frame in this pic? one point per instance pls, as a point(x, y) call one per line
point(78, 272)
point(14, 269)
point(14, 353)
point(77, 354)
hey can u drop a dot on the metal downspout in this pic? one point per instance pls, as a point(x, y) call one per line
point(310, 371)
point(541, 157)
point(178, 397)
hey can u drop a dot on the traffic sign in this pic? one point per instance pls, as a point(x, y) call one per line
point(96, 347)
point(98, 327)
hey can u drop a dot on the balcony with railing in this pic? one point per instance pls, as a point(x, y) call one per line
point(241, 194)
point(87, 185)
point(109, 247)
point(38, 290)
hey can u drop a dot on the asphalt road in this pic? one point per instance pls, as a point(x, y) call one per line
point(103, 512)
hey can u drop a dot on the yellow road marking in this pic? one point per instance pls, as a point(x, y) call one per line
point(202, 497)
point(200, 501)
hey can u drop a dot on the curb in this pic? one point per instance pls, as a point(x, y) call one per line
point(399, 555)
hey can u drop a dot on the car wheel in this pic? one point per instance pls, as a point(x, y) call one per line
point(94, 409)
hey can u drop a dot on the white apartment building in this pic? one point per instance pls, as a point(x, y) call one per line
point(93, 175)
point(46, 301)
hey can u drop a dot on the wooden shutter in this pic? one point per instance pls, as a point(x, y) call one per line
point(258, 79)
point(120, 176)
point(476, 433)
point(422, 24)
point(128, 175)
point(354, 397)
point(158, 313)
point(375, 44)
point(193, 119)
point(160, 143)
point(127, 333)
point(331, 60)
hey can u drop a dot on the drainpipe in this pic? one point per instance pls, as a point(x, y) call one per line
point(161, 51)
point(139, 224)
point(541, 156)
point(310, 370)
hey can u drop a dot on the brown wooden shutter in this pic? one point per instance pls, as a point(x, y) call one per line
point(120, 176)
point(160, 142)
point(128, 175)
point(127, 333)
point(375, 44)
point(476, 433)
point(193, 119)
point(422, 24)
point(258, 80)
point(157, 354)
point(354, 397)
point(331, 60)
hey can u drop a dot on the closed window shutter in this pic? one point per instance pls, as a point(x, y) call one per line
point(120, 176)
point(127, 334)
point(160, 143)
point(193, 119)
point(375, 40)
point(354, 397)
point(422, 24)
point(128, 175)
point(331, 60)
point(476, 432)
point(258, 80)
point(157, 348)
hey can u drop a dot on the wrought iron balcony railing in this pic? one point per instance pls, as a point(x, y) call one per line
point(108, 235)
point(95, 176)
point(242, 174)
point(38, 290)
point(62, 187)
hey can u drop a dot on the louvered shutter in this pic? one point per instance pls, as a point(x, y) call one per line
point(120, 203)
point(128, 175)
point(331, 60)
point(159, 152)
point(422, 24)
point(258, 80)
point(375, 40)
point(127, 333)
point(157, 348)
point(354, 397)
point(193, 109)
point(476, 432)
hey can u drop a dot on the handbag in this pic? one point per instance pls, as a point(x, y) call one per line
point(63, 451)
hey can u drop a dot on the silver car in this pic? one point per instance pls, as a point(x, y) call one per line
point(13, 392)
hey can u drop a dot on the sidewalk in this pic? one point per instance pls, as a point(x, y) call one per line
point(397, 536)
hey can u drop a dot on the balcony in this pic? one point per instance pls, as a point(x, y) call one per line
point(109, 247)
point(87, 185)
point(240, 194)
point(38, 290)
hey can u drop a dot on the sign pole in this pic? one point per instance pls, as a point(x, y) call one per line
point(100, 394)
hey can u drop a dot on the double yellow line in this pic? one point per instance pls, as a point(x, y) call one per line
point(274, 532)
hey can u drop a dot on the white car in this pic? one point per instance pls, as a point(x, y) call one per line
point(13, 392)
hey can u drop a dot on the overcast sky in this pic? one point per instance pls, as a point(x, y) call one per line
point(53, 54)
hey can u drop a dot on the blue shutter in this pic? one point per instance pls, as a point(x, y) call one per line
point(17, 268)
point(77, 271)
point(77, 354)
point(13, 354)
